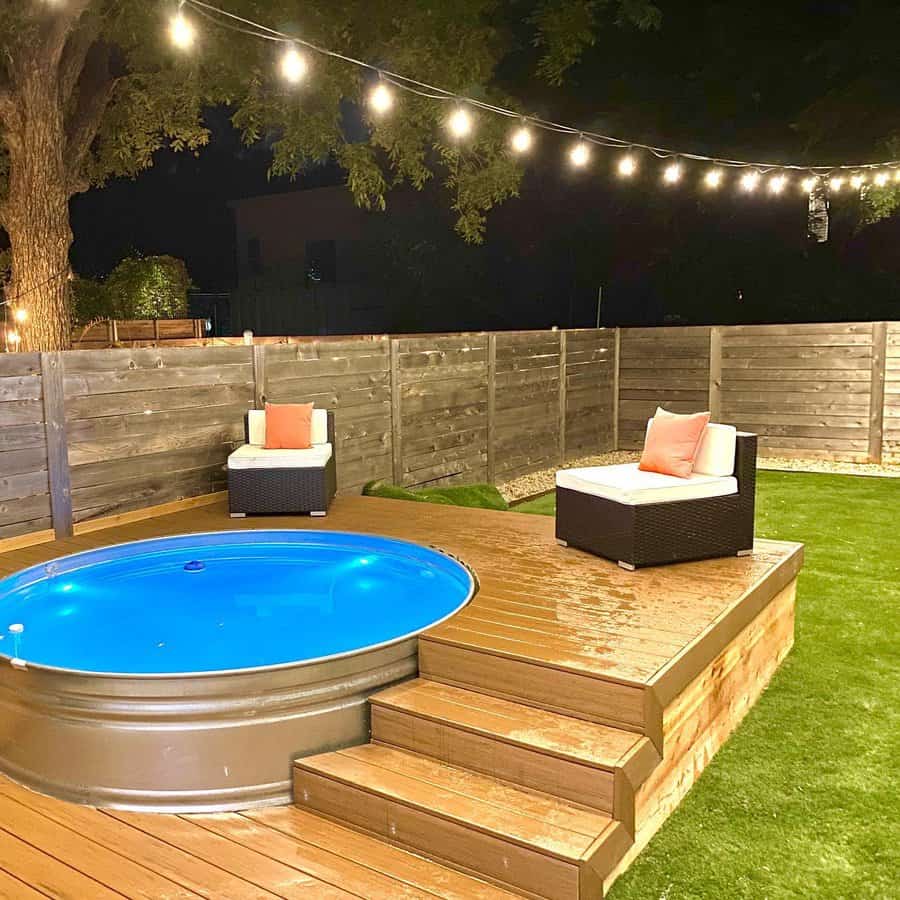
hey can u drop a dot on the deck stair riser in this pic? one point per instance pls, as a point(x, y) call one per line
point(584, 762)
point(566, 691)
point(530, 842)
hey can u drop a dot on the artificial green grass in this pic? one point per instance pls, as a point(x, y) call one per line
point(484, 496)
point(803, 800)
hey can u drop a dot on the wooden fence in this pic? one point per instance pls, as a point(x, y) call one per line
point(86, 435)
point(92, 434)
point(113, 332)
point(825, 391)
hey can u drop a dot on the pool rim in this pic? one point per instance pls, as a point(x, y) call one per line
point(474, 587)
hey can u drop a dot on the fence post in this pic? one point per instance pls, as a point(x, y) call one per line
point(53, 393)
point(396, 412)
point(491, 405)
point(715, 373)
point(562, 397)
point(259, 376)
point(876, 391)
point(617, 349)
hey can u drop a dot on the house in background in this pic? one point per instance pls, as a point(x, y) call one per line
point(312, 262)
point(302, 264)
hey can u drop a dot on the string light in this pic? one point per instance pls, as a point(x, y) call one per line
point(381, 98)
point(750, 181)
point(672, 173)
point(21, 315)
point(13, 337)
point(293, 66)
point(521, 140)
point(460, 123)
point(181, 31)
point(777, 184)
point(580, 154)
point(627, 166)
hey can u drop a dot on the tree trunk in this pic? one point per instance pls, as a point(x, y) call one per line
point(36, 217)
point(40, 238)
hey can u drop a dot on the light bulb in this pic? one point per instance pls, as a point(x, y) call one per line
point(750, 181)
point(881, 179)
point(627, 166)
point(857, 181)
point(835, 184)
point(381, 98)
point(777, 184)
point(460, 123)
point(580, 154)
point(13, 337)
point(21, 315)
point(521, 140)
point(672, 173)
point(809, 184)
point(181, 31)
point(293, 66)
point(897, 175)
point(713, 178)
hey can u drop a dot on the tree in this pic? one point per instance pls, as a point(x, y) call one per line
point(91, 89)
point(140, 287)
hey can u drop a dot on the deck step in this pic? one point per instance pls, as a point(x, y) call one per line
point(518, 838)
point(586, 762)
point(561, 689)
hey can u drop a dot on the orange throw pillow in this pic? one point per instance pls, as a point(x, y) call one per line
point(288, 426)
point(672, 443)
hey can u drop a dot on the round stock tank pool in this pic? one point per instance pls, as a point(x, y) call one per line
point(186, 673)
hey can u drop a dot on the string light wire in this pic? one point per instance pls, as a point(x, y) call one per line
point(225, 19)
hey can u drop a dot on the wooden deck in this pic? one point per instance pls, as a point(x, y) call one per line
point(556, 723)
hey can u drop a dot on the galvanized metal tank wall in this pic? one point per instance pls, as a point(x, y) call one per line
point(186, 743)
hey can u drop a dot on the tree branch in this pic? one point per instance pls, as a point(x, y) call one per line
point(62, 21)
point(75, 54)
point(95, 90)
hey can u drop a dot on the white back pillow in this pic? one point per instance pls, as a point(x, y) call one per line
point(256, 427)
point(715, 455)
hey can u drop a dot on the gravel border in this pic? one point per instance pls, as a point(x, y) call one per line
point(541, 482)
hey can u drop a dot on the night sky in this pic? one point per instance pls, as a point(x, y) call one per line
point(782, 82)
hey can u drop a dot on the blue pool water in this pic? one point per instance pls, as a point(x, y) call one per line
point(231, 600)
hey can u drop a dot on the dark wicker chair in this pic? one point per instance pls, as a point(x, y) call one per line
point(283, 490)
point(652, 534)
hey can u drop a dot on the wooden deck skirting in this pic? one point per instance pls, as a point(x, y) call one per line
point(556, 723)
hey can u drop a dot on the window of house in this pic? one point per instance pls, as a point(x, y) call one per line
point(321, 259)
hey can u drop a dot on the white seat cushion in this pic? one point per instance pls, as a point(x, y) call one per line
point(627, 484)
point(256, 426)
point(251, 457)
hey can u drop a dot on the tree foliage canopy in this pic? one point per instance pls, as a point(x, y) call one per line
point(130, 93)
point(140, 287)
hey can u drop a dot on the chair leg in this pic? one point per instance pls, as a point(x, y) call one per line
point(630, 567)
point(238, 515)
point(745, 552)
point(319, 512)
point(562, 543)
